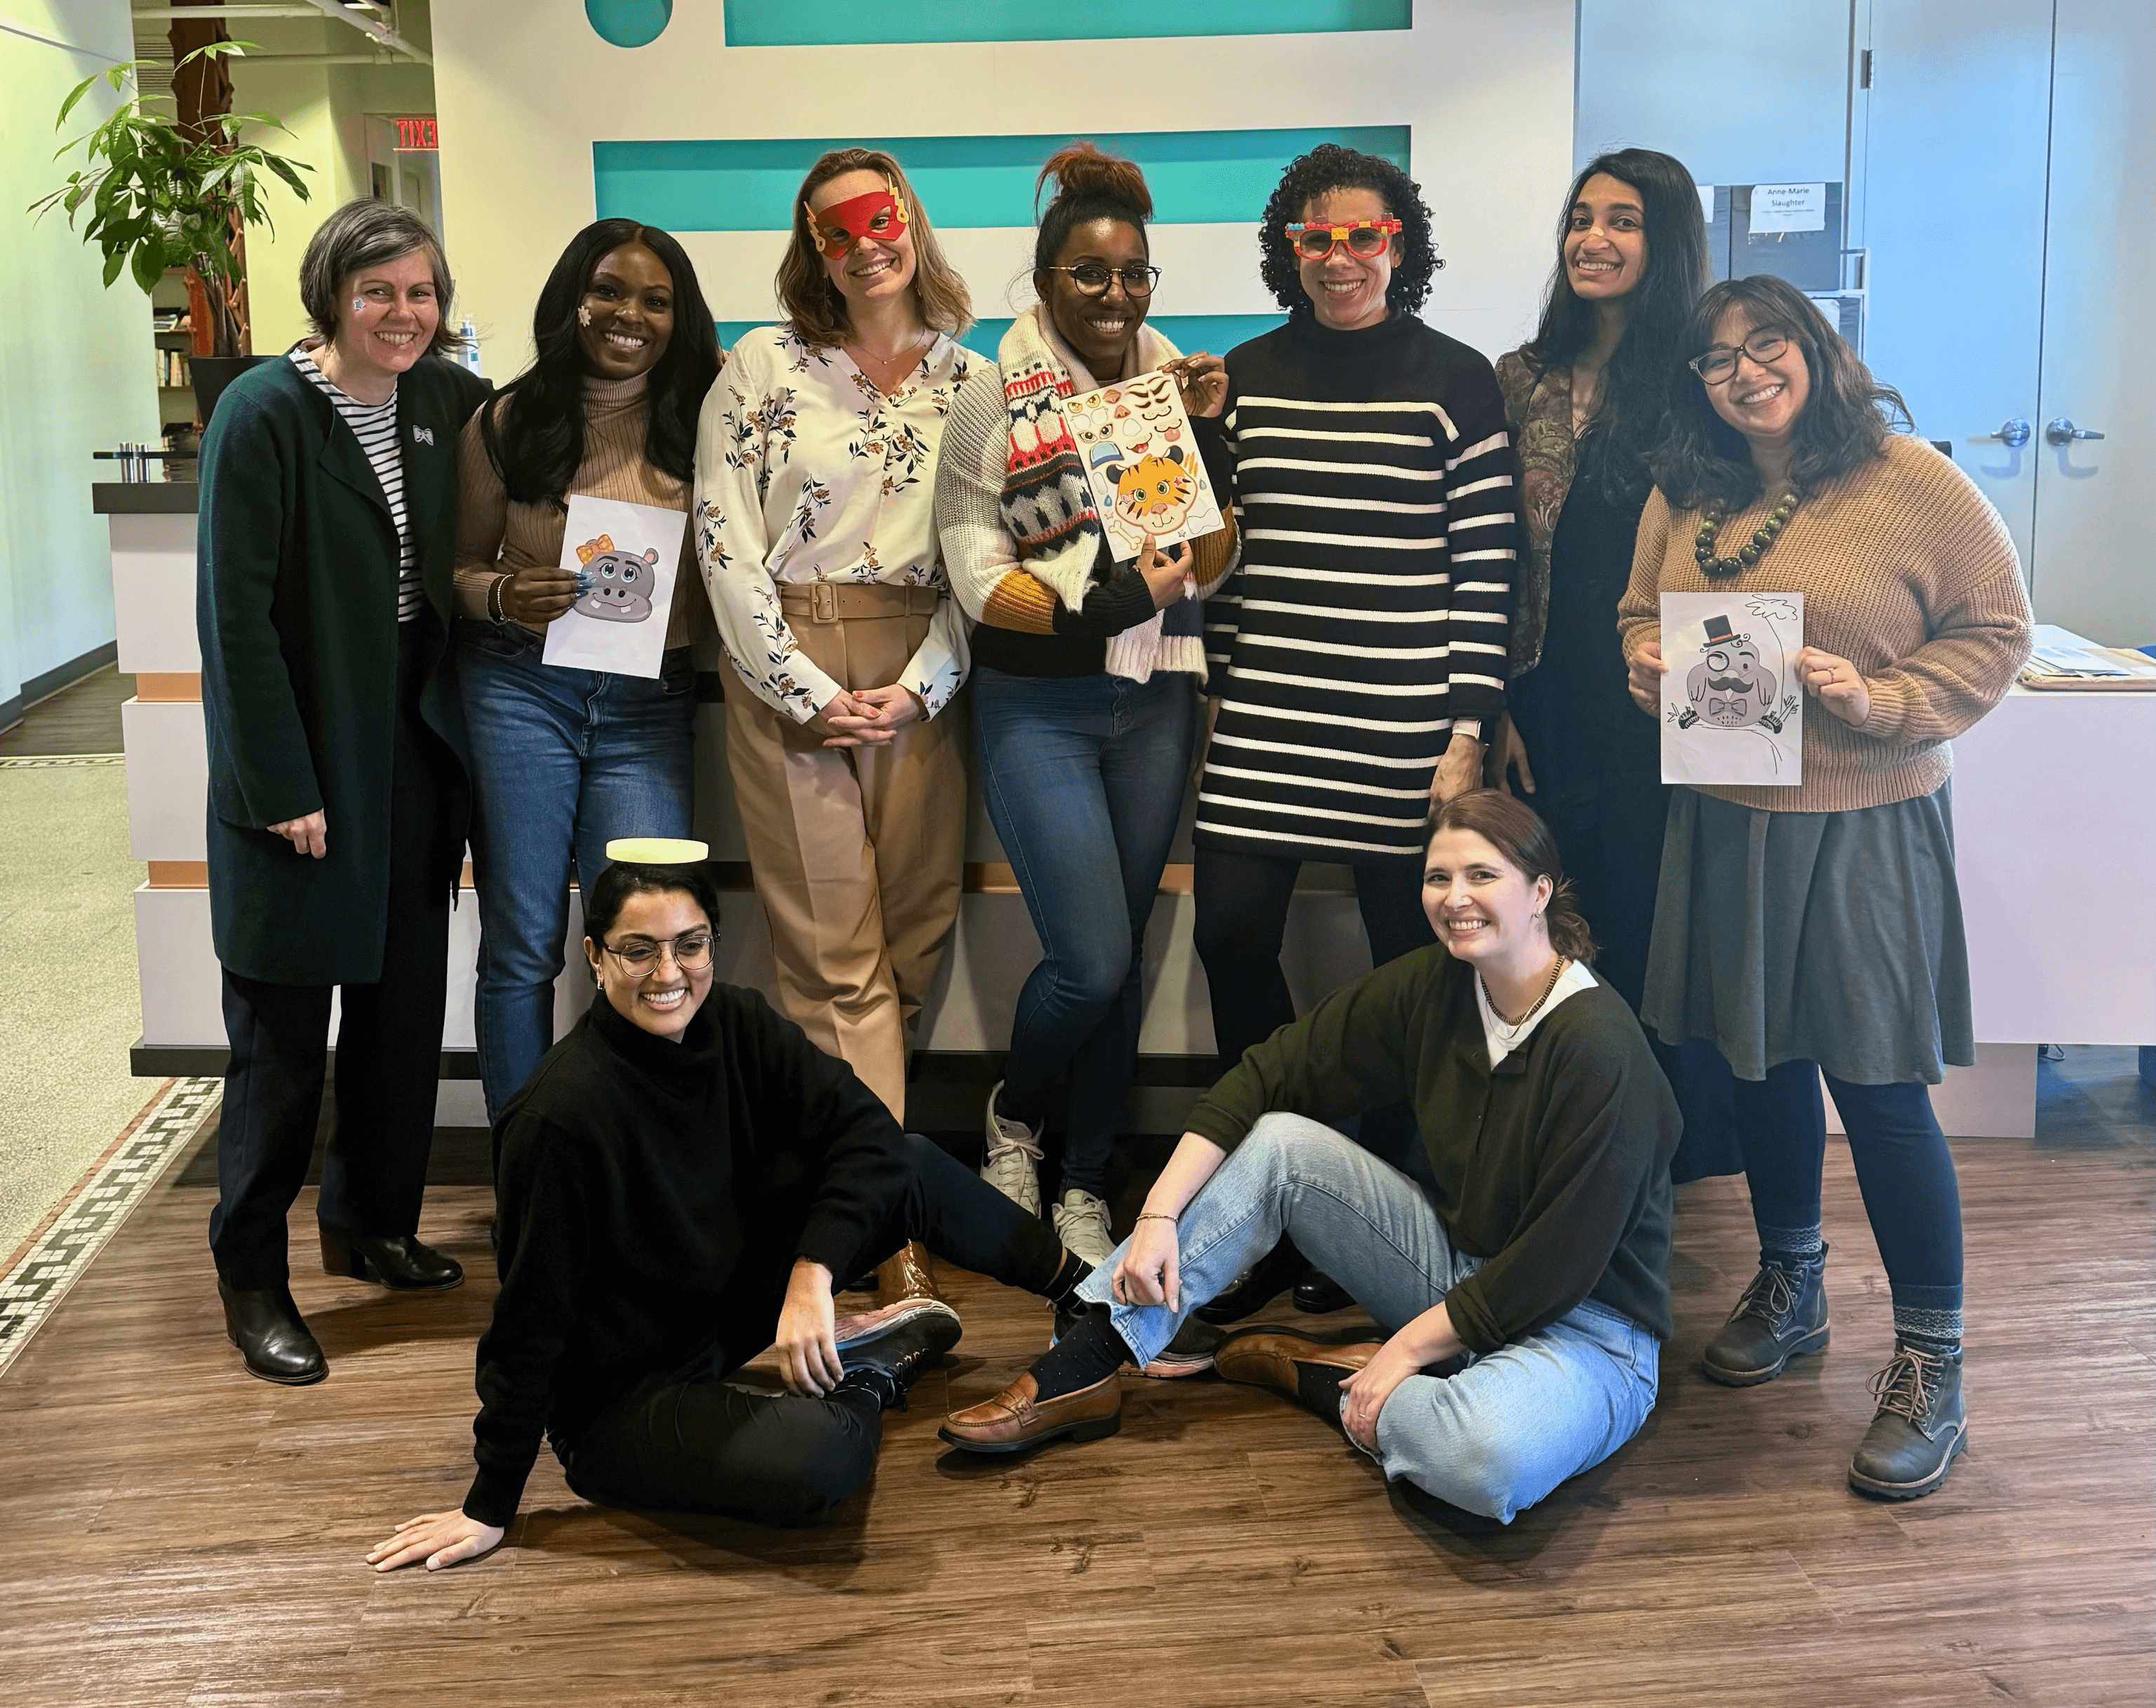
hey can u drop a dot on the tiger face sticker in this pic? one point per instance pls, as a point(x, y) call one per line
point(1154, 493)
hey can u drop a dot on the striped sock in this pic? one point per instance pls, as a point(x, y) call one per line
point(1928, 1329)
point(1790, 1248)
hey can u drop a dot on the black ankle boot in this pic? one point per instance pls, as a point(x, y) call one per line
point(1920, 1427)
point(1780, 1316)
point(1279, 1269)
point(398, 1261)
point(271, 1335)
point(889, 1358)
point(1317, 1293)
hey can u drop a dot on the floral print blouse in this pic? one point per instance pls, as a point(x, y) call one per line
point(1538, 404)
point(805, 472)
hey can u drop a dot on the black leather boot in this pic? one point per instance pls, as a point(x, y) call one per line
point(1268, 1276)
point(1317, 1293)
point(396, 1261)
point(1780, 1316)
point(1920, 1427)
point(271, 1335)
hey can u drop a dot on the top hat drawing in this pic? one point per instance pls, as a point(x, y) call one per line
point(1717, 628)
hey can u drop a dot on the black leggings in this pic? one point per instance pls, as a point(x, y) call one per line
point(699, 1443)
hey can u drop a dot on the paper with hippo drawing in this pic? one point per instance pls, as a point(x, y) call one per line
point(1141, 463)
point(1731, 710)
point(625, 556)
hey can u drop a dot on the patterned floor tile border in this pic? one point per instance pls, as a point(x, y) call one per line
point(50, 762)
point(57, 1258)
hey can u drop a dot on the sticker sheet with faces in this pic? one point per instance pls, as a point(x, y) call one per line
point(1141, 463)
point(1733, 712)
point(624, 557)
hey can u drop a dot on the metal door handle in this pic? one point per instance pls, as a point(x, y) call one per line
point(2063, 432)
point(2013, 433)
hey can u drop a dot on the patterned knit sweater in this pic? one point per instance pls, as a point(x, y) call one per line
point(1374, 489)
point(495, 537)
point(1906, 572)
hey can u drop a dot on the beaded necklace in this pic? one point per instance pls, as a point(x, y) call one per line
point(1749, 553)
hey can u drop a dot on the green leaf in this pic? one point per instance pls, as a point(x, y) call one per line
point(114, 263)
point(79, 90)
point(148, 262)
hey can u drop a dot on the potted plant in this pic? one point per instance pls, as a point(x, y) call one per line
point(163, 194)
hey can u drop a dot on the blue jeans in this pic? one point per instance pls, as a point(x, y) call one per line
point(562, 760)
point(1495, 1438)
point(1085, 778)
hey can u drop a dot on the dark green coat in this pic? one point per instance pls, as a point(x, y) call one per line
point(296, 608)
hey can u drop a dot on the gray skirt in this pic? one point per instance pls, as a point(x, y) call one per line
point(1832, 937)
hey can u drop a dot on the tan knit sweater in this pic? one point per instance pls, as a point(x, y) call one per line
point(1906, 572)
point(495, 536)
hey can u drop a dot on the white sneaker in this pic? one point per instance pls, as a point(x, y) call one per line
point(1013, 1158)
point(1081, 1223)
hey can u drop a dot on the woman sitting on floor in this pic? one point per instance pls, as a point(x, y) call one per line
point(682, 1181)
point(1539, 1272)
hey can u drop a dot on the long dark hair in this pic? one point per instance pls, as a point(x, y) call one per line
point(1631, 415)
point(1704, 462)
point(538, 446)
point(1516, 830)
point(1329, 166)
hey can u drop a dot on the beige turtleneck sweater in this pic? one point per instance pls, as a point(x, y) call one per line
point(495, 536)
point(1906, 572)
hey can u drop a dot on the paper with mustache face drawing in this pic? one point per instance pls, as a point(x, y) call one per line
point(1731, 710)
point(625, 556)
point(1141, 464)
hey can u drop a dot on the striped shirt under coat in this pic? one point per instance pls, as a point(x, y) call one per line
point(1375, 493)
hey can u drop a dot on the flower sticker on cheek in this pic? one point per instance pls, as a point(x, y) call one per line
point(878, 214)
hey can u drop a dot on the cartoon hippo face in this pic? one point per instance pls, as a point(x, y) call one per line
point(621, 586)
point(1728, 687)
point(1154, 493)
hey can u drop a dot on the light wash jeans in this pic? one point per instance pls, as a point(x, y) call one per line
point(1495, 1438)
point(563, 761)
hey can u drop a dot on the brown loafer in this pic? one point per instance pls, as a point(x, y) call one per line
point(1307, 1368)
point(1012, 1421)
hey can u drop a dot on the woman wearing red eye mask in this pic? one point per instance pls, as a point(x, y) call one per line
point(814, 529)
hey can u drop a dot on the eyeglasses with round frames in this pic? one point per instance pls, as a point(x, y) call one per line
point(1366, 238)
point(1719, 361)
point(1092, 278)
point(639, 957)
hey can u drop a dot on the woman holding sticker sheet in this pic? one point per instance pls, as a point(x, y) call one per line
point(1587, 400)
point(815, 531)
point(1085, 676)
point(1359, 654)
point(565, 759)
point(337, 791)
point(1818, 927)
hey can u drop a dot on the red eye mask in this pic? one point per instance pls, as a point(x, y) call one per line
point(878, 214)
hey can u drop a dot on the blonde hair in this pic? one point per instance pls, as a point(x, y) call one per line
point(812, 302)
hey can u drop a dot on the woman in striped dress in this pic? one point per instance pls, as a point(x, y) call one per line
point(1358, 652)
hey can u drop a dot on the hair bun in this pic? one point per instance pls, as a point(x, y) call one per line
point(1081, 170)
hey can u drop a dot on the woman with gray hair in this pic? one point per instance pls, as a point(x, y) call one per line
point(337, 778)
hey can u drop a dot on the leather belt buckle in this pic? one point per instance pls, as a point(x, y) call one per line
point(822, 602)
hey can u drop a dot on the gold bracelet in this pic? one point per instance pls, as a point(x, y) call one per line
point(1154, 1216)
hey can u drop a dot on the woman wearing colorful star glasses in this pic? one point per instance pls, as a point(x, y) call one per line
point(1817, 928)
point(815, 529)
point(1359, 648)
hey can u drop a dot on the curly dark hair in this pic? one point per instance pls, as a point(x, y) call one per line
point(1704, 462)
point(1329, 166)
point(1647, 369)
point(537, 442)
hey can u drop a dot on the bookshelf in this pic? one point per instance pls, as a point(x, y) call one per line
point(174, 340)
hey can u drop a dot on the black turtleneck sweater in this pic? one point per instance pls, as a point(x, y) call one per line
point(651, 1196)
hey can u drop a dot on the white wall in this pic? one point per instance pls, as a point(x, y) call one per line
point(75, 373)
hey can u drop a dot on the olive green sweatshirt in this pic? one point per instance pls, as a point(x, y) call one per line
point(1554, 1167)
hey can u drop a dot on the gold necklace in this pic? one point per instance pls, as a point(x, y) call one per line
point(879, 370)
point(1513, 1027)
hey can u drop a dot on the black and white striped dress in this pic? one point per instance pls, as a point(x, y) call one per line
point(375, 426)
point(1375, 494)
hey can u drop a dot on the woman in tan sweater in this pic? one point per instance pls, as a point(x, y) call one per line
point(1817, 928)
point(564, 759)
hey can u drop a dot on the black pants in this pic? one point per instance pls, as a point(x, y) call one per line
point(692, 1442)
point(1241, 902)
point(389, 1048)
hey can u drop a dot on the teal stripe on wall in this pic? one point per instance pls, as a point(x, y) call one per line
point(1197, 177)
point(794, 23)
point(1218, 333)
point(630, 24)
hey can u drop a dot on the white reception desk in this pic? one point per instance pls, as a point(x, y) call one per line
point(2055, 820)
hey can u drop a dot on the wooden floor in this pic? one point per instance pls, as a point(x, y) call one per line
point(171, 1531)
point(82, 718)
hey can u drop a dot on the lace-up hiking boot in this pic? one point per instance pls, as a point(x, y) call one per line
point(1780, 1316)
point(897, 1343)
point(1920, 1426)
point(1014, 1160)
point(1081, 1223)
